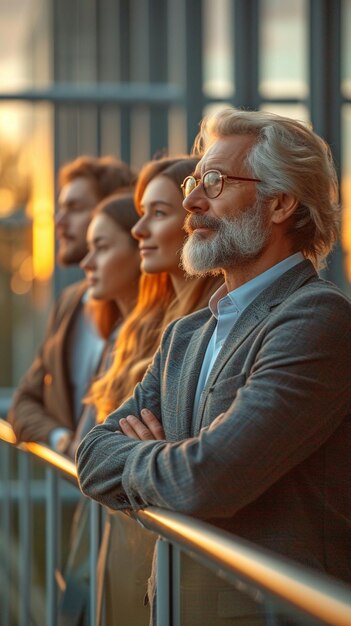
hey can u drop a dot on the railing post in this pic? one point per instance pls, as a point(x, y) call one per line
point(94, 550)
point(163, 583)
point(25, 525)
point(52, 510)
point(176, 568)
point(167, 584)
point(6, 530)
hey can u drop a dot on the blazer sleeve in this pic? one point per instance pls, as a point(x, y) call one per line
point(102, 454)
point(29, 415)
point(295, 396)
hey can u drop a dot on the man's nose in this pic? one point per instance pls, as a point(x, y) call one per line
point(196, 201)
point(60, 217)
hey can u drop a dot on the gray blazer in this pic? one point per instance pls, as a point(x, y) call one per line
point(275, 468)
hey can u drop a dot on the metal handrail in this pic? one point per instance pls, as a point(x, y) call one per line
point(316, 594)
point(153, 94)
point(60, 462)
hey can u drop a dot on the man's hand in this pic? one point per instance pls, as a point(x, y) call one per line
point(216, 421)
point(148, 429)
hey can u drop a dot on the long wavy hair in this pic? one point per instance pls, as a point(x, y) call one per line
point(156, 307)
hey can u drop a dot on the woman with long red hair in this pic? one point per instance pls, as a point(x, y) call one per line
point(165, 292)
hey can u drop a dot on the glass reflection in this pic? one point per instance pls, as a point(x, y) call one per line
point(346, 48)
point(346, 189)
point(283, 29)
point(218, 48)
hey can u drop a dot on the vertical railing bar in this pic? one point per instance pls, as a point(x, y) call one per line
point(94, 550)
point(25, 532)
point(176, 571)
point(6, 523)
point(163, 583)
point(51, 545)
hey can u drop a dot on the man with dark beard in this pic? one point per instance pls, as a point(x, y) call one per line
point(48, 402)
point(243, 419)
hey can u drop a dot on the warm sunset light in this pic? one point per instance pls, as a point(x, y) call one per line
point(43, 239)
point(346, 225)
point(41, 206)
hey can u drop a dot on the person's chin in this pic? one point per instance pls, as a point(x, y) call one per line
point(150, 268)
point(95, 294)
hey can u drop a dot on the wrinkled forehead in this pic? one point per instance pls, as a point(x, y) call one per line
point(226, 154)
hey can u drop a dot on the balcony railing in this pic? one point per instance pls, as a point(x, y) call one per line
point(283, 591)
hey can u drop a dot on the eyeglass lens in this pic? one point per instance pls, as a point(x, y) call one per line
point(212, 182)
point(189, 186)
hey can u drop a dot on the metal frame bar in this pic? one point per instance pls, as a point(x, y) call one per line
point(5, 453)
point(246, 23)
point(325, 100)
point(52, 512)
point(93, 558)
point(25, 526)
point(193, 68)
point(158, 71)
point(153, 94)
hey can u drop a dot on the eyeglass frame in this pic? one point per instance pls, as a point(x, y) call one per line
point(223, 178)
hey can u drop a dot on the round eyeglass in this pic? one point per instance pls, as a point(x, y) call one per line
point(212, 182)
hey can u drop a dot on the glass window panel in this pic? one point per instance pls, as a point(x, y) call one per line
point(214, 107)
point(346, 189)
point(218, 48)
point(24, 44)
point(283, 49)
point(177, 131)
point(26, 233)
point(295, 111)
point(346, 48)
point(140, 137)
point(176, 41)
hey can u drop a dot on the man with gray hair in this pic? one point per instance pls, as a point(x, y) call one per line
point(243, 418)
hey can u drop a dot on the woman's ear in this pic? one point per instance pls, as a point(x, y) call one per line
point(282, 207)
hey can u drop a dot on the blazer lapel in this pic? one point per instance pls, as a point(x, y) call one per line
point(271, 297)
point(62, 355)
point(191, 366)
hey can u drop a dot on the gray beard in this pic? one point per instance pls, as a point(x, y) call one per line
point(234, 243)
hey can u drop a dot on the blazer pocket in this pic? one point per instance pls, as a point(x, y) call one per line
point(222, 394)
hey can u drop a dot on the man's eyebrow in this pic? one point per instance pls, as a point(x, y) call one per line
point(75, 202)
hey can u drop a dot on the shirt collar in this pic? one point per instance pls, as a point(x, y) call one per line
point(246, 293)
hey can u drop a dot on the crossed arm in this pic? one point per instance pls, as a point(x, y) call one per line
point(283, 413)
point(145, 429)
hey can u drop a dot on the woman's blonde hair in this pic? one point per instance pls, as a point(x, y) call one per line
point(157, 306)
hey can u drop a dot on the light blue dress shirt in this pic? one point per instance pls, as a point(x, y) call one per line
point(227, 308)
point(85, 353)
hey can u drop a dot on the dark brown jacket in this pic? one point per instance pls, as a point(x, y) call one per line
point(43, 400)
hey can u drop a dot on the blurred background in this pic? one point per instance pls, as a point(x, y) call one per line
point(132, 78)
